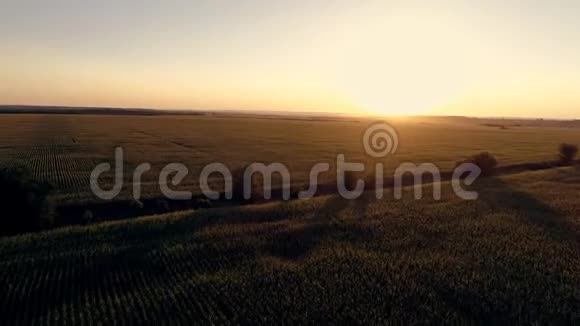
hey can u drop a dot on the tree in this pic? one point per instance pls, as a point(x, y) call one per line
point(24, 202)
point(485, 161)
point(567, 153)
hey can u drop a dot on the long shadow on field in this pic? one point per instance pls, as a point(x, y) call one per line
point(502, 196)
point(301, 237)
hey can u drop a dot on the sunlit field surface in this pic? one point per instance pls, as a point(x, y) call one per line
point(63, 149)
point(510, 257)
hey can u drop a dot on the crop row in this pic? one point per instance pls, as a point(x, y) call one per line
point(58, 164)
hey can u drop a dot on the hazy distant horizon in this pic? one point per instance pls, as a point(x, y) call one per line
point(278, 112)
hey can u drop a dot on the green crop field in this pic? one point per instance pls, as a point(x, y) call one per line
point(510, 257)
point(64, 149)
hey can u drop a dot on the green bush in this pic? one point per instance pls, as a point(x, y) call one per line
point(568, 152)
point(485, 161)
point(24, 202)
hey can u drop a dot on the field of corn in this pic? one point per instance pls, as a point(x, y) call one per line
point(64, 149)
point(510, 257)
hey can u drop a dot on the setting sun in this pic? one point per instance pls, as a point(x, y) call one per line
point(346, 57)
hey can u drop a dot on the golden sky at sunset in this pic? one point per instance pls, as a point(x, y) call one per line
point(470, 58)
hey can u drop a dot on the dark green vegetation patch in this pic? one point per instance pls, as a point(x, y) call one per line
point(512, 256)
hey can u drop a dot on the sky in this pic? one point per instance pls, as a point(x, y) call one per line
point(473, 58)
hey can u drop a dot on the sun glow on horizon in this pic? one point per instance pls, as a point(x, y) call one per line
point(373, 58)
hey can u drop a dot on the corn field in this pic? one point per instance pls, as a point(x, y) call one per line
point(64, 149)
point(326, 260)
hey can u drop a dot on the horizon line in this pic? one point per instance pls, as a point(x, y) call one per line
point(271, 112)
